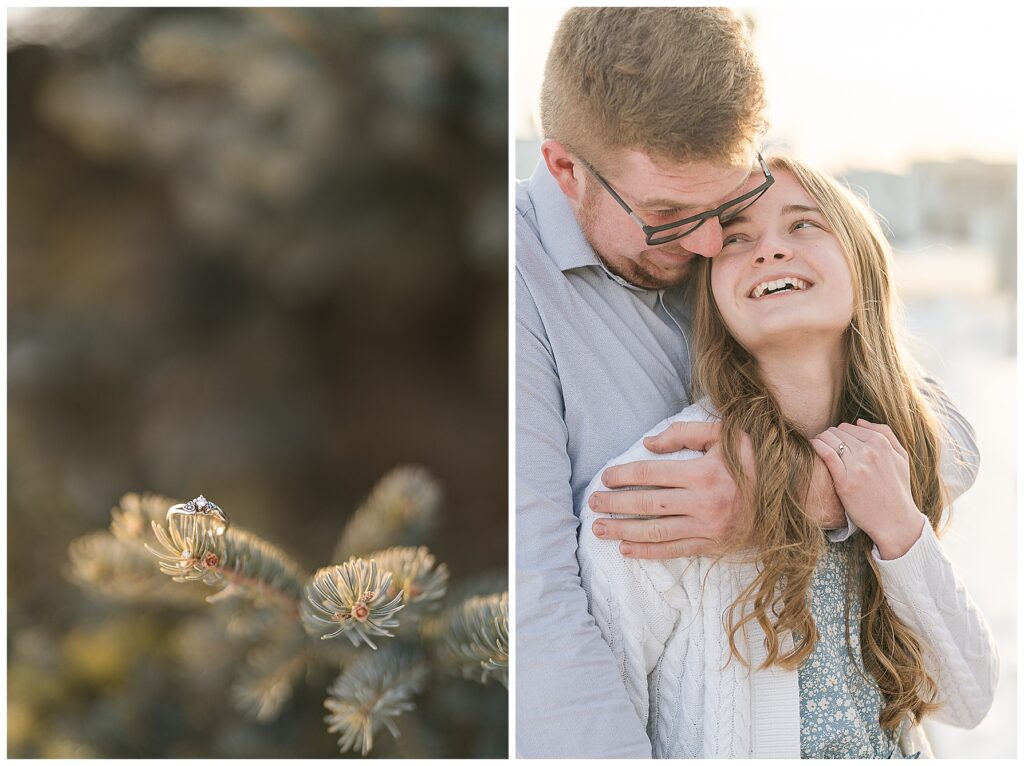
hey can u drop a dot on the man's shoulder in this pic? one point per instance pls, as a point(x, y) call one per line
point(524, 203)
point(530, 250)
point(537, 273)
point(527, 226)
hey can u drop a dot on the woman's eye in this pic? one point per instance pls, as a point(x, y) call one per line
point(804, 224)
point(731, 239)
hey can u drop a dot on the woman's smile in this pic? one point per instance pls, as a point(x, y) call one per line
point(782, 275)
point(786, 285)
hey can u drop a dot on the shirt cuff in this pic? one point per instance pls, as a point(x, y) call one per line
point(842, 533)
point(913, 566)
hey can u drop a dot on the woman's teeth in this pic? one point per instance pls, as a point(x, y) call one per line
point(777, 285)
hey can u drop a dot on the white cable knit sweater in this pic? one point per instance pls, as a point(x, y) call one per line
point(664, 623)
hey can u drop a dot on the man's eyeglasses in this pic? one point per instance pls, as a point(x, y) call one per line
point(669, 232)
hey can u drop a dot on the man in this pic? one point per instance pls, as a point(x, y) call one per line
point(651, 119)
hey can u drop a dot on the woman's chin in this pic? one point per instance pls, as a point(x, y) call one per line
point(772, 336)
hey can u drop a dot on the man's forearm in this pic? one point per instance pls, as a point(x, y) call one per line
point(823, 502)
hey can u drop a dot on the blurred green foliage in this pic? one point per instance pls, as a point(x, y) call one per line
point(260, 254)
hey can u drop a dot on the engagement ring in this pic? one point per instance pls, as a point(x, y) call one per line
point(201, 507)
point(842, 449)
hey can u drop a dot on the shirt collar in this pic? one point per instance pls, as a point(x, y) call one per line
point(561, 235)
point(560, 232)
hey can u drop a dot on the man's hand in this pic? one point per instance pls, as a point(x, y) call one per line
point(823, 504)
point(694, 507)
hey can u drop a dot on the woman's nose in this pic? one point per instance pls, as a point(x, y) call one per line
point(763, 257)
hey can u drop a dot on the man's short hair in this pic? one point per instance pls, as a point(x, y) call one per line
point(680, 84)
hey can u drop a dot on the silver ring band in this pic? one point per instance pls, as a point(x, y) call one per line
point(841, 449)
point(200, 506)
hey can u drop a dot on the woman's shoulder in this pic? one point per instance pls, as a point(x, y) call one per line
point(698, 412)
point(702, 411)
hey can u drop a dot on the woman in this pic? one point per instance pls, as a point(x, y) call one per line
point(790, 645)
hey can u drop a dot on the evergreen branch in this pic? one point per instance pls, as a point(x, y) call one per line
point(417, 576)
point(237, 561)
point(401, 510)
point(372, 692)
point(352, 598)
point(102, 563)
point(193, 550)
point(259, 570)
point(147, 552)
point(240, 620)
point(271, 672)
point(131, 519)
point(471, 637)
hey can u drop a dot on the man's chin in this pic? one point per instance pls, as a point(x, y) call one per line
point(665, 269)
point(653, 269)
point(655, 278)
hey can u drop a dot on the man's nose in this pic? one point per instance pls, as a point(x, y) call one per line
point(706, 240)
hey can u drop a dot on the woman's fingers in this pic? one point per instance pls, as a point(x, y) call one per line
point(885, 431)
point(870, 441)
point(870, 435)
point(830, 456)
point(850, 435)
point(835, 438)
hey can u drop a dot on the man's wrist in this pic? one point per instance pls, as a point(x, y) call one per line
point(825, 508)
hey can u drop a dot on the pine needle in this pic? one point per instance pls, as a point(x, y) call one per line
point(417, 576)
point(353, 599)
point(471, 637)
point(401, 510)
point(101, 563)
point(371, 693)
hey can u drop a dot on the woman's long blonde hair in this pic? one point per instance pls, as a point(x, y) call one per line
point(876, 386)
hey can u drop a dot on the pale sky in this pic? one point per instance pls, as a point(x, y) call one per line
point(859, 86)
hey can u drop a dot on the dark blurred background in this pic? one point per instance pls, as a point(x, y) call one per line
point(259, 255)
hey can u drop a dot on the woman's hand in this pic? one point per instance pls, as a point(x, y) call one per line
point(871, 473)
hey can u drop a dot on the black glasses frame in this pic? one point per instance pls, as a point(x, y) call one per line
point(698, 220)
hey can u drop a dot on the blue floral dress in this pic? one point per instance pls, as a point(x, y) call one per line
point(839, 701)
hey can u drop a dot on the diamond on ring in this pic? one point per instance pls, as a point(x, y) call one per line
point(200, 506)
point(842, 449)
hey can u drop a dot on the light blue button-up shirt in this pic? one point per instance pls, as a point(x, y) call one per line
point(598, 362)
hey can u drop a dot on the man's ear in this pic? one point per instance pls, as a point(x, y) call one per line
point(564, 169)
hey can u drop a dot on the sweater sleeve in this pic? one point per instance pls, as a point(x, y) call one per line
point(960, 653)
point(961, 458)
point(628, 608)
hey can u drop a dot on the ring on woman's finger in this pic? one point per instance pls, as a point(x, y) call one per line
point(841, 448)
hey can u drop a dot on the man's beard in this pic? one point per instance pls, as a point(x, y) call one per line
point(625, 267)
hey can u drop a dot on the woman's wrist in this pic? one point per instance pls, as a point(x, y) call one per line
point(899, 535)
